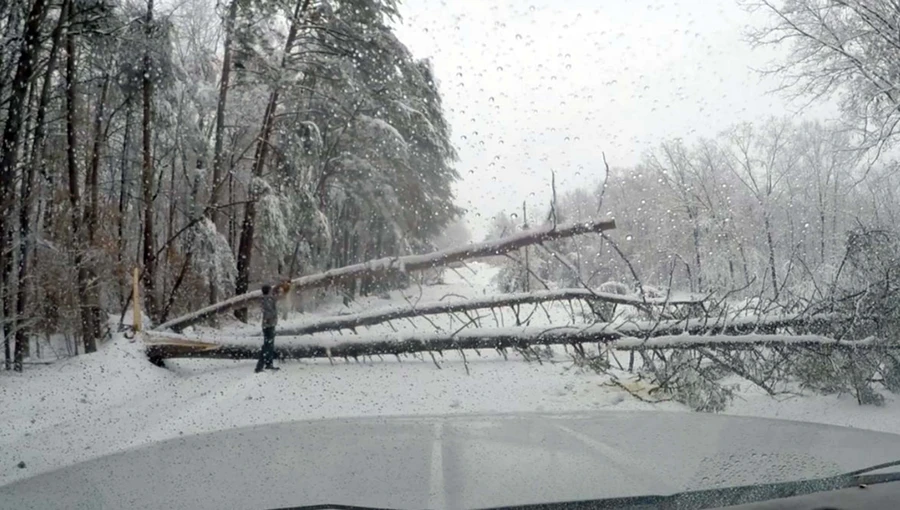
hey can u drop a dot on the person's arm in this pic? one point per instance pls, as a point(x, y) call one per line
point(282, 288)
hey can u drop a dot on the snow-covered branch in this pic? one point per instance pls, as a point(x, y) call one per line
point(738, 342)
point(379, 316)
point(633, 336)
point(386, 266)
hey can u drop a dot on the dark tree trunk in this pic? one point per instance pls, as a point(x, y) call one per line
point(123, 194)
point(147, 180)
point(232, 214)
point(89, 327)
point(771, 246)
point(91, 212)
point(224, 83)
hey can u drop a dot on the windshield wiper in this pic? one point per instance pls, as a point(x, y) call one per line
point(696, 500)
point(727, 496)
point(876, 467)
point(326, 506)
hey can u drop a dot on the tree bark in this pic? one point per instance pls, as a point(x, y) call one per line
point(387, 266)
point(147, 178)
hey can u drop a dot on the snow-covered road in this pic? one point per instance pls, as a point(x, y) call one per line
point(101, 403)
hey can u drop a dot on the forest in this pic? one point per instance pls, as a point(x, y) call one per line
point(210, 144)
point(215, 146)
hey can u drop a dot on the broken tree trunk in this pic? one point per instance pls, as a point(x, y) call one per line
point(379, 316)
point(386, 266)
point(635, 335)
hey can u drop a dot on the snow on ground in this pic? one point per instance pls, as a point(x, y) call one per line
point(101, 403)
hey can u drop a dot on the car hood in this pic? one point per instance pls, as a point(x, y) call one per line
point(460, 461)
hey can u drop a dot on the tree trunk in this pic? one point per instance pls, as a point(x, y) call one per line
point(232, 214)
point(38, 154)
point(637, 336)
point(147, 179)
point(218, 162)
point(15, 319)
point(771, 246)
point(245, 245)
point(89, 327)
point(90, 213)
point(29, 49)
point(123, 194)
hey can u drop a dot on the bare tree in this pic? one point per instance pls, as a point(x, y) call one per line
point(850, 48)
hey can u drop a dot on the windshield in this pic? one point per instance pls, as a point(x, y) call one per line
point(220, 214)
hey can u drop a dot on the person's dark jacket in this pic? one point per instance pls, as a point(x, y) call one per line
point(269, 310)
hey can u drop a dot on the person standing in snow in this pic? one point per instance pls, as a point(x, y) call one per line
point(269, 321)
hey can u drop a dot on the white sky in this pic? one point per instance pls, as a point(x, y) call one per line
point(533, 86)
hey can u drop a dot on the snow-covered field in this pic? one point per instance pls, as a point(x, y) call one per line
point(93, 405)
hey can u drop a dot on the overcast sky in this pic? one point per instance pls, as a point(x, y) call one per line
point(535, 86)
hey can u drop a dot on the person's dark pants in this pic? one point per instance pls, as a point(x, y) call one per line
point(267, 354)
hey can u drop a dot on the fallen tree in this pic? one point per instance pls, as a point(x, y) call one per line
point(379, 316)
point(387, 266)
point(739, 342)
point(628, 335)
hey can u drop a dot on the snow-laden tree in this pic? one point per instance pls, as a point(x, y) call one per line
point(722, 213)
point(848, 49)
point(132, 138)
point(362, 152)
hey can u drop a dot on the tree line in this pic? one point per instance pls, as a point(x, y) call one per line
point(210, 144)
point(770, 207)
